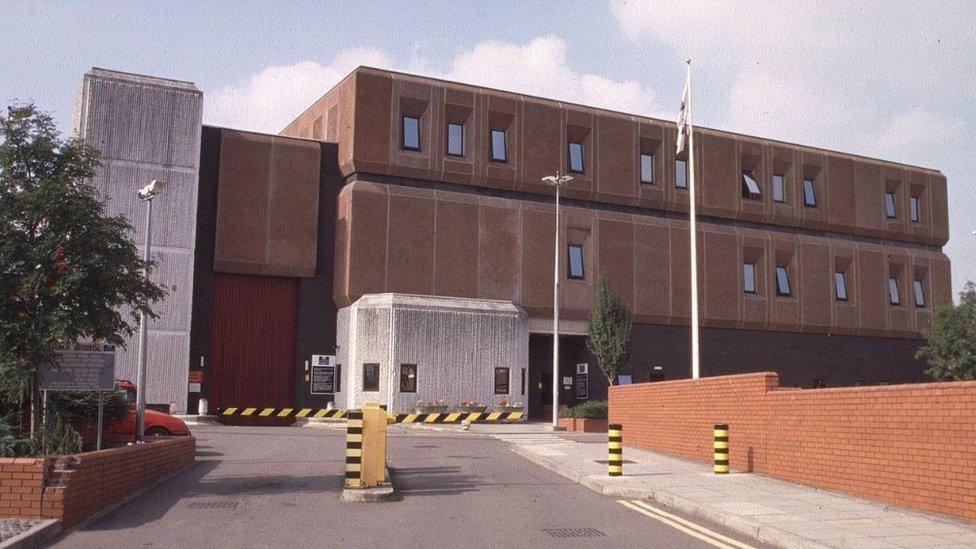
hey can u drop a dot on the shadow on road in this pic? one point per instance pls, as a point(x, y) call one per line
point(431, 481)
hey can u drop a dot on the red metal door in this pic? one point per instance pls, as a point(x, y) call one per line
point(253, 349)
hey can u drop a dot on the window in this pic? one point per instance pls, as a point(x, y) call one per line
point(523, 381)
point(498, 146)
point(681, 173)
point(893, 296)
point(575, 157)
point(750, 189)
point(411, 133)
point(371, 376)
point(919, 293)
point(575, 261)
point(455, 139)
point(408, 378)
point(890, 205)
point(779, 192)
point(840, 285)
point(501, 381)
point(749, 278)
point(809, 194)
point(913, 209)
point(782, 281)
point(647, 169)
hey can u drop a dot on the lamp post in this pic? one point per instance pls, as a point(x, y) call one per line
point(556, 181)
point(146, 194)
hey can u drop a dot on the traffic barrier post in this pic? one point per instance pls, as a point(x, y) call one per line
point(615, 448)
point(720, 443)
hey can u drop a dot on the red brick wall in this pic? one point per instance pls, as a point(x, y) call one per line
point(906, 444)
point(71, 488)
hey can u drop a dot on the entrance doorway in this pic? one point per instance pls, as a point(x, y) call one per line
point(572, 351)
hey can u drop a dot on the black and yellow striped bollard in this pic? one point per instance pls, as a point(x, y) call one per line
point(354, 449)
point(721, 448)
point(615, 446)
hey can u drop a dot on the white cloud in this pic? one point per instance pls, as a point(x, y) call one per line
point(268, 100)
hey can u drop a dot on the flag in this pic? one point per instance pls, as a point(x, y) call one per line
point(683, 116)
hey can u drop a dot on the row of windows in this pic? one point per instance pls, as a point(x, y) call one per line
point(750, 185)
point(408, 378)
point(840, 285)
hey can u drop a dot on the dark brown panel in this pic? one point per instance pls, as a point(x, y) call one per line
point(499, 248)
point(456, 260)
point(367, 240)
point(721, 267)
point(411, 240)
point(652, 271)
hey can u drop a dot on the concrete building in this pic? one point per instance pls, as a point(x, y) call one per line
point(394, 189)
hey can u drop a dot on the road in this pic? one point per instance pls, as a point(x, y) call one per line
point(280, 486)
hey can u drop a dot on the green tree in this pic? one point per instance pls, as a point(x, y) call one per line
point(66, 268)
point(950, 348)
point(609, 332)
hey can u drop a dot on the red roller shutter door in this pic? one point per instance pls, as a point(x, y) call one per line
point(253, 350)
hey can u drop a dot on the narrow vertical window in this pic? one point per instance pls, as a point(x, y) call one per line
point(523, 381)
point(647, 169)
point(455, 139)
point(498, 146)
point(408, 378)
point(501, 381)
point(371, 376)
point(575, 157)
point(681, 173)
point(575, 262)
point(750, 189)
point(840, 285)
point(919, 291)
point(749, 278)
point(779, 192)
point(809, 194)
point(782, 281)
point(893, 295)
point(890, 205)
point(411, 133)
point(914, 211)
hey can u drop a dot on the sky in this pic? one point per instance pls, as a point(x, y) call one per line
point(892, 80)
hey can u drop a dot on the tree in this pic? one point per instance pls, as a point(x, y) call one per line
point(66, 269)
point(950, 347)
point(609, 332)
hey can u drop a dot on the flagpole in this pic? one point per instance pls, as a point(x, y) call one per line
point(695, 369)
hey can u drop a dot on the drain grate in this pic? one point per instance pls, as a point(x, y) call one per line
point(218, 504)
point(573, 532)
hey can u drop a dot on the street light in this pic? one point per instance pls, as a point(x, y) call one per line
point(146, 194)
point(556, 181)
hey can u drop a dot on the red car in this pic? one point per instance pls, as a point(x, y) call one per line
point(157, 423)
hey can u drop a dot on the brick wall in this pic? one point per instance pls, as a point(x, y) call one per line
point(910, 445)
point(71, 488)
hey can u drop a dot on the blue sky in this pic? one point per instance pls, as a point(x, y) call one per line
point(894, 80)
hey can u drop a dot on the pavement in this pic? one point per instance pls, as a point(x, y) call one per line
point(17, 533)
point(761, 508)
point(280, 487)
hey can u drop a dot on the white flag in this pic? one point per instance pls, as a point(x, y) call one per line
point(683, 116)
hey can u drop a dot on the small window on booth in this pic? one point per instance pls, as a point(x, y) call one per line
point(408, 378)
point(499, 151)
point(749, 278)
point(782, 281)
point(455, 139)
point(779, 191)
point(501, 381)
point(575, 262)
point(371, 376)
point(411, 133)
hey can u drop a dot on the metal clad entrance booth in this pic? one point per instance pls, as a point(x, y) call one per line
point(253, 349)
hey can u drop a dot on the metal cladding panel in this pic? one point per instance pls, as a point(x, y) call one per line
point(253, 350)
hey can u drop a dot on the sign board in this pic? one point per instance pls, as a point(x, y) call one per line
point(582, 381)
point(82, 367)
point(195, 380)
point(323, 375)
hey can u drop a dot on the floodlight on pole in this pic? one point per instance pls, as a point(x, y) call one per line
point(146, 194)
point(556, 181)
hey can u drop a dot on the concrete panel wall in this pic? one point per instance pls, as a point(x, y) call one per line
point(850, 189)
point(149, 128)
point(396, 243)
point(455, 343)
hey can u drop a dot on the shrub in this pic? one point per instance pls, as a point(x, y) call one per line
point(591, 409)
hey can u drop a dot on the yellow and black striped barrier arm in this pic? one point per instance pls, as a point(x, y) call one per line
point(721, 448)
point(615, 449)
point(298, 413)
point(354, 449)
point(325, 413)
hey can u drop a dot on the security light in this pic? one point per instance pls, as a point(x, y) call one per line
point(554, 180)
point(151, 190)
